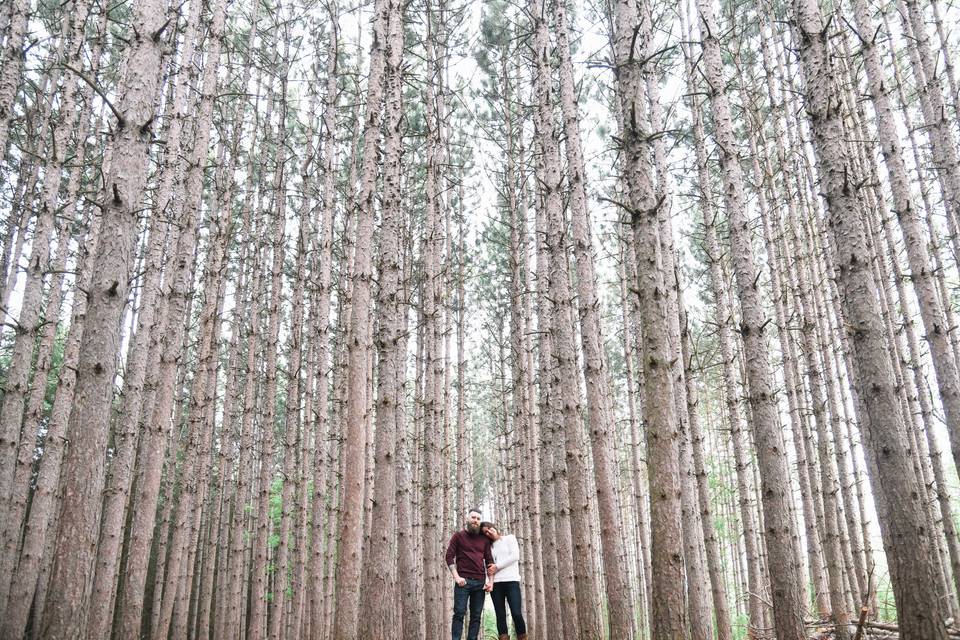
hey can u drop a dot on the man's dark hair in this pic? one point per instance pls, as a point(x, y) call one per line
point(469, 511)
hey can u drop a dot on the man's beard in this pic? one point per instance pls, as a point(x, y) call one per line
point(473, 528)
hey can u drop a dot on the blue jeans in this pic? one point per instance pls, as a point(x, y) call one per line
point(508, 593)
point(473, 593)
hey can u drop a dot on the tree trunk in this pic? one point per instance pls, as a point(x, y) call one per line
point(33, 417)
point(13, 58)
point(564, 390)
point(320, 526)
point(358, 348)
point(409, 594)
point(42, 519)
point(433, 478)
point(667, 619)
point(640, 495)
point(721, 610)
point(379, 585)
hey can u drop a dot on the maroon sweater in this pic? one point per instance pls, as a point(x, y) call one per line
point(472, 553)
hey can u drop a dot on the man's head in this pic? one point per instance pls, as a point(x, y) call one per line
point(472, 524)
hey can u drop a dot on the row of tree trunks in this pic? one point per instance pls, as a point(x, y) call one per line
point(757, 586)
point(785, 574)
point(71, 575)
point(225, 428)
point(896, 485)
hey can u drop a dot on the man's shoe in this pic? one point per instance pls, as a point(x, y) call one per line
point(504, 636)
point(522, 636)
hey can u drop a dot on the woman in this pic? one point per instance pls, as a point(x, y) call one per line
point(506, 580)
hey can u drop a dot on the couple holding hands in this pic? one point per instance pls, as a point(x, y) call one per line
point(481, 560)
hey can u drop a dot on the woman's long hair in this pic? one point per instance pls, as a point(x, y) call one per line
point(490, 525)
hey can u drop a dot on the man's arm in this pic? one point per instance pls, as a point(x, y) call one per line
point(451, 559)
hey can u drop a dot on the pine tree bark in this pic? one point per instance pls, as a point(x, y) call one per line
point(18, 436)
point(721, 610)
point(619, 608)
point(699, 613)
point(631, 41)
point(320, 526)
point(563, 377)
point(226, 230)
point(554, 496)
point(161, 409)
point(410, 593)
point(521, 409)
point(358, 348)
point(379, 583)
point(943, 148)
point(723, 318)
point(183, 547)
point(946, 54)
point(831, 535)
point(249, 319)
point(433, 479)
point(780, 526)
point(887, 271)
point(42, 519)
point(13, 59)
point(640, 495)
point(898, 506)
point(935, 318)
point(278, 606)
point(932, 315)
point(83, 465)
point(259, 610)
point(126, 433)
point(559, 618)
point(36, 147)
point(795, 216)
point(279, 619)
point(30, 327)
point(245, 321)
point(16, 232)
point(16, 439)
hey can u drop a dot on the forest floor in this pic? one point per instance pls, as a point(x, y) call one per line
point(869, 631)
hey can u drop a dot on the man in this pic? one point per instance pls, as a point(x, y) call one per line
point(468, 556)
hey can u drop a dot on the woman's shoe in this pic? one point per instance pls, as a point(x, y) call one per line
point(522, 636)
point(504, 636)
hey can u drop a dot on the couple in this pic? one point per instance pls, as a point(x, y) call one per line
point(482, 560)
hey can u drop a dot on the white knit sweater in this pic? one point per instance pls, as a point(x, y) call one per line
point(506, 555)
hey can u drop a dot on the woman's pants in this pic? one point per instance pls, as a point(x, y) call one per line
point(505, 593)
